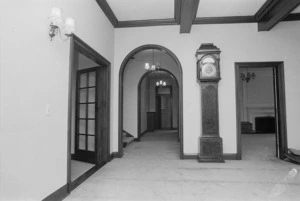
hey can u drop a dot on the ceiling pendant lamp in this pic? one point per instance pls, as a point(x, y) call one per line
point(151, 67)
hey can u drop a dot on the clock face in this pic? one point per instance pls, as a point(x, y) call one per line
point(208, 67)
point(209, 70)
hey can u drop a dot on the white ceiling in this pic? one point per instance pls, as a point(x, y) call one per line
point(142, 9)
point(222, 8)
point(296, 10)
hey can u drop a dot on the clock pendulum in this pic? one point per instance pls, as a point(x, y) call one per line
point(208, 73)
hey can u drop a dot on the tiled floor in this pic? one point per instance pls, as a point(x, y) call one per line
point(152, 170)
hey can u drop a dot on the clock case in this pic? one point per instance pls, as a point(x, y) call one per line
point(208, 49)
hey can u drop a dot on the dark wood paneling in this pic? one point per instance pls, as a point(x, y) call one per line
point(108, 12)
point(188, 14)
point(58, 195)
point(224, 20)
point(144, 23)
point(272, 12)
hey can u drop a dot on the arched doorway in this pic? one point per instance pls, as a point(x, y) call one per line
point(163, 115)
point(124, 64)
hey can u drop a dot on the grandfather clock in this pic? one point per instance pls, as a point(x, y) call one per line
point(208, 73)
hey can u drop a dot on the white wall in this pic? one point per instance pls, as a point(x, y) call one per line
point(257, 95)
point(238, 43)
point(35, 72)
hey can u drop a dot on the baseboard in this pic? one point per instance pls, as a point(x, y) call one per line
point(58, 195)
point(189, 156)
point(225, 156)
point(115, 155)
point(85, 176)
point(230, 157)
point(143, 133)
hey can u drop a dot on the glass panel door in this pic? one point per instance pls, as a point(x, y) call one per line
point(86, 117)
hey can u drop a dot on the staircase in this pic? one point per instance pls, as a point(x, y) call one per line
point(127, 138)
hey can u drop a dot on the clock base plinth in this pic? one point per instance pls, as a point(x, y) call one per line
point(211, 150)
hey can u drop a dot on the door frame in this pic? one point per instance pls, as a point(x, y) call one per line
point(279, 104)
point(121, 82)
point(78, 45)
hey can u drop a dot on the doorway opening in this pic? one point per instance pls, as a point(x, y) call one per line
point(158, 103)
point(137, 113)
point(88, 116)
point(261, 119)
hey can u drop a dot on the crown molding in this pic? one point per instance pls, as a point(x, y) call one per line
point(144, 23)
point(224, 20)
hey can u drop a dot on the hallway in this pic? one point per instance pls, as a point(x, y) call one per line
point(151, 170)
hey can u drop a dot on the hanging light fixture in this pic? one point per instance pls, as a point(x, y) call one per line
point(248, 76)
point(161, 83)
point(152, 67)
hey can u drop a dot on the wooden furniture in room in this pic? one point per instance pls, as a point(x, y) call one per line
point(208, 73)
point(265, 124)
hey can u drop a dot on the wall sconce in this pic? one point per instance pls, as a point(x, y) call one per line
point(56, 19)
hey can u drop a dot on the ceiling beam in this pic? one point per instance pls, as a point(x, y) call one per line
point(108, 12)
point(188, 13)
point(225, 20)
point(274, 11)
point(144, 23)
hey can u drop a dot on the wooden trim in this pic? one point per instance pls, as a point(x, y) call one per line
point(177, 9)
point(59, 194)
point(189, 156)
point(80, 46)
point(292, 17)
point(225, 156)
point(144, 23)
point(188, 14)
point(85, 176)
point(108, 12)
point(121, 80)
point(273, 12)
point(280, 99)
point(230, 157)
point(225, 20)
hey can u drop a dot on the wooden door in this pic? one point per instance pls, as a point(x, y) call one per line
point(86, 115)
point(164, 107)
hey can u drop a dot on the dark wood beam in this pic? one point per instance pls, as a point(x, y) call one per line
point(188, 13)
point(292, 17)
point(225, 20)
point(108, 12)
point(274, 11)
point(144, 23)
point(177, 8)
